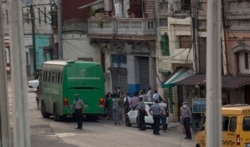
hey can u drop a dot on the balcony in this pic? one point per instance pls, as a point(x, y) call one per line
point(123, 29)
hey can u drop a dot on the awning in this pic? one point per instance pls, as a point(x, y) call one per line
point(232, 82)
point(193, 80)
point(91, 4)
point(181, 74)
point(229, 82)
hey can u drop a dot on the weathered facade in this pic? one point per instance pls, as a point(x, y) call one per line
point(76, 44)
point(237, 42)
point(174, 48)
point(126, 45)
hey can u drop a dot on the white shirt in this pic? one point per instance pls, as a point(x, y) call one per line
point(129, 99)
point(163, 107)
point(78, 104)
point(149, 95)
point(156, 96)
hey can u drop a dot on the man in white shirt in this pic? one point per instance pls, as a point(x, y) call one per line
point(149, 95)
point(156, 96)
point(163, 106)
point(78, 106)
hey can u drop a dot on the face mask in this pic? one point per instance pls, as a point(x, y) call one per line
point(185, 106)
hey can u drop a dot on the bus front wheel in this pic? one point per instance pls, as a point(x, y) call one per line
point(55, 113)
point(43, 111)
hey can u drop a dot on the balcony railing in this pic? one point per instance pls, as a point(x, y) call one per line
point(122, 27)
point(102, 26)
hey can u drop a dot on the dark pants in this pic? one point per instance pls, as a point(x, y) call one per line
point(142, 120)
point(186, 123)
point(79, 118)
point(163, 122)
point(157, 119)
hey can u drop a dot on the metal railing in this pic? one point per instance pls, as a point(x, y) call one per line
point(134, 26)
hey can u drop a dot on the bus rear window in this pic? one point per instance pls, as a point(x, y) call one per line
point(246, 123)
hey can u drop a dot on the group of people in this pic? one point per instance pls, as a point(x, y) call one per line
point(118, 105)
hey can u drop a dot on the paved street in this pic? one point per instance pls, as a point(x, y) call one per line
point(46, 132)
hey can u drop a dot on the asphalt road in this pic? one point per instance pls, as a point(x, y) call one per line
point(103, 133)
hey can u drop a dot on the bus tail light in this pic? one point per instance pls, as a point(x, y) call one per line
point(101, 102)
point(238, 139)
point(66, 102)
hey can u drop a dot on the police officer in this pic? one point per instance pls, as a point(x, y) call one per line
point(78, 107)
point(156, 111)
point(186, 117)
point(141, 114)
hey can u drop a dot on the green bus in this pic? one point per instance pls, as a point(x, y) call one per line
point(61, 80)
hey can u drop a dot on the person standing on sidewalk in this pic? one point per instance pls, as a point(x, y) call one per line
point(163, 105)
point(155, 110)
point(186, 117)
point(115, 109)
point(141, 114)
point(78, 107)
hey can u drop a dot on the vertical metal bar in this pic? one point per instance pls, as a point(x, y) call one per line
point(213, 112)
point(32, 13)
point(19, 76)
point(60, 38)
point(4, 114)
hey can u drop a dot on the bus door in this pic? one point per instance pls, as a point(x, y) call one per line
point(230, 133)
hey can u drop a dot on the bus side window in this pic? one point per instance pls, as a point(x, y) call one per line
point(233, 124)
point(49, 76)
point(53, 77)
point(45, 76)
point(246, 123)
point(58, 77)
point(225, 123)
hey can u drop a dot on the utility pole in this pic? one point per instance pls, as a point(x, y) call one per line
point(195, 38)
point(59, 22)
point(4, 111)
point(18, 76)
point(196, 33)
point(33, 37)
point(213, 112)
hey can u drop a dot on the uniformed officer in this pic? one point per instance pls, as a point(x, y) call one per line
point(156, 111)
point(186, 117)
point(78, 107)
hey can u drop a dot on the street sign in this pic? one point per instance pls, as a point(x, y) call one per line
point(198, 105)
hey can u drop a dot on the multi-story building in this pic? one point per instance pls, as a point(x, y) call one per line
point(41, 33)
point(76, 44)
point(124, 33)
point(38, 34)
point(235, 54)
point(174, 48)
point(237, 43)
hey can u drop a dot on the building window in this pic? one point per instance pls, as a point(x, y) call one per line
point(185, 4)
point(163, 22)
point(165, 45)
point(246, 60)
point(118, 60)
point(39, 15)
point(185, 41)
